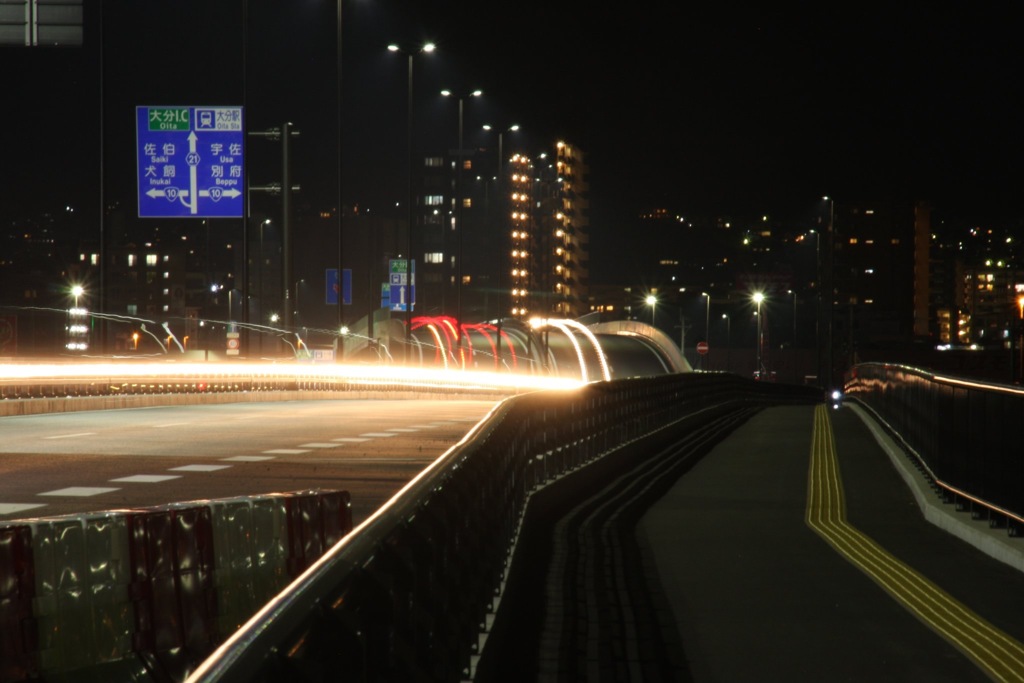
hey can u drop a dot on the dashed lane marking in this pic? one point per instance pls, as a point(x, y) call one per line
point(351, 439)
point(70, 436)
point(248, 458)
point(80, 491)
point(14, 508)
point(287, 451)
point(319, 444)
point(199, 468)
point(379, 435)
point(402, 430)
point(147, 478)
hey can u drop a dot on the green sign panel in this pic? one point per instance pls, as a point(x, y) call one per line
point(169, 119)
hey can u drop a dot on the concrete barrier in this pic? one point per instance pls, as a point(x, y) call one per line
point(147, 594)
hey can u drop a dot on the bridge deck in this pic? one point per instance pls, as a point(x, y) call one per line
point(794, 550)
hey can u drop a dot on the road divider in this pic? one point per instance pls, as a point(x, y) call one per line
point(147, 594)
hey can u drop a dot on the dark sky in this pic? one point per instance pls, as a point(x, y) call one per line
point(726, 109)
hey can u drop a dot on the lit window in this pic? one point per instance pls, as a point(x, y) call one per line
point(131, 260)
point(853, 240)
point(434, 257)
point(433, 200)
point(151, 259)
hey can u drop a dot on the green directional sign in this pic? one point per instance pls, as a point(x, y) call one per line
point(169, 119)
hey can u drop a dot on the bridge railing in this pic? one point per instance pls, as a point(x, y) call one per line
point(964, 434)
point(409, 593)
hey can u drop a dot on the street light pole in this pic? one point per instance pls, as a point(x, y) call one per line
point(500, 237)
point(758, 298)
point(651, 301)
point(340, 210)
point(428, 47)
point(728, 340)
point(458, 221)
point(707, 323)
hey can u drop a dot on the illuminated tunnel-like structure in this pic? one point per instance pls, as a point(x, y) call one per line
point(554, 346)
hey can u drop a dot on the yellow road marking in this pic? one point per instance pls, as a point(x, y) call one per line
point(995, 652)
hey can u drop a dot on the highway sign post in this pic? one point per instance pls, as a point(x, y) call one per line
point(401, 286)
point(190, 162)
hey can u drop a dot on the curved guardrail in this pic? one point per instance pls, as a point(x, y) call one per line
point(963, 434)
point(408, 595)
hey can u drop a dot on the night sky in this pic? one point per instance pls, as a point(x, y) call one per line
point(722, 110)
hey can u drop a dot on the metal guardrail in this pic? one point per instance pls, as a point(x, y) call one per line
point(964, 434)
point(408, 595)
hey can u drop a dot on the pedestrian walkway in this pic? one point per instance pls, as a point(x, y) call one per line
point(798, 550)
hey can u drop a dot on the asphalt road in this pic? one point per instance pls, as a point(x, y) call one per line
point(70, 463)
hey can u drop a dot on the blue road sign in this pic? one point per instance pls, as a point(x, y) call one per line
point(332, 286)
point(190, 161)
point(401, 286)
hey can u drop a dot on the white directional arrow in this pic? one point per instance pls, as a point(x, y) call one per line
point(155, 192)
point(193, 163)
point(213, 192)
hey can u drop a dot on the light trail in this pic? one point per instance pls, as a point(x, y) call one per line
point(391, 375)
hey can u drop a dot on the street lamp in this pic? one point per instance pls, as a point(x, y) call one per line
point(651, 301)
point(758, 298)
point(500, 233)
point(77, 291)
point(707, 320)
point(458, 215)
point(728, 339)
point(1020, 330)
point(427, 47)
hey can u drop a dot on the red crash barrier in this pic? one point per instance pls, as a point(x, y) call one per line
point(18, 638)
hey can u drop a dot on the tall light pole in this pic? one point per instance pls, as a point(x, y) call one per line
point(758, 298)
point(651, 301)
point(826, 270)
point(428, 47)
point(458, 217)
point(707, 321)
point(341, 279)
point(728, 339)
point(500, 234)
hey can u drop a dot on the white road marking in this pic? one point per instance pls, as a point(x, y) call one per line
point(70, 436)
point(287, 451)
point(351, 439)
point(379, 435)
point(424, 426)
point(171, 424)
point(316, 444)
point(199, 468)
point(402, 429)
point(248, 458)
point(12, 508)
point(80, 491)
point(147, 478)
